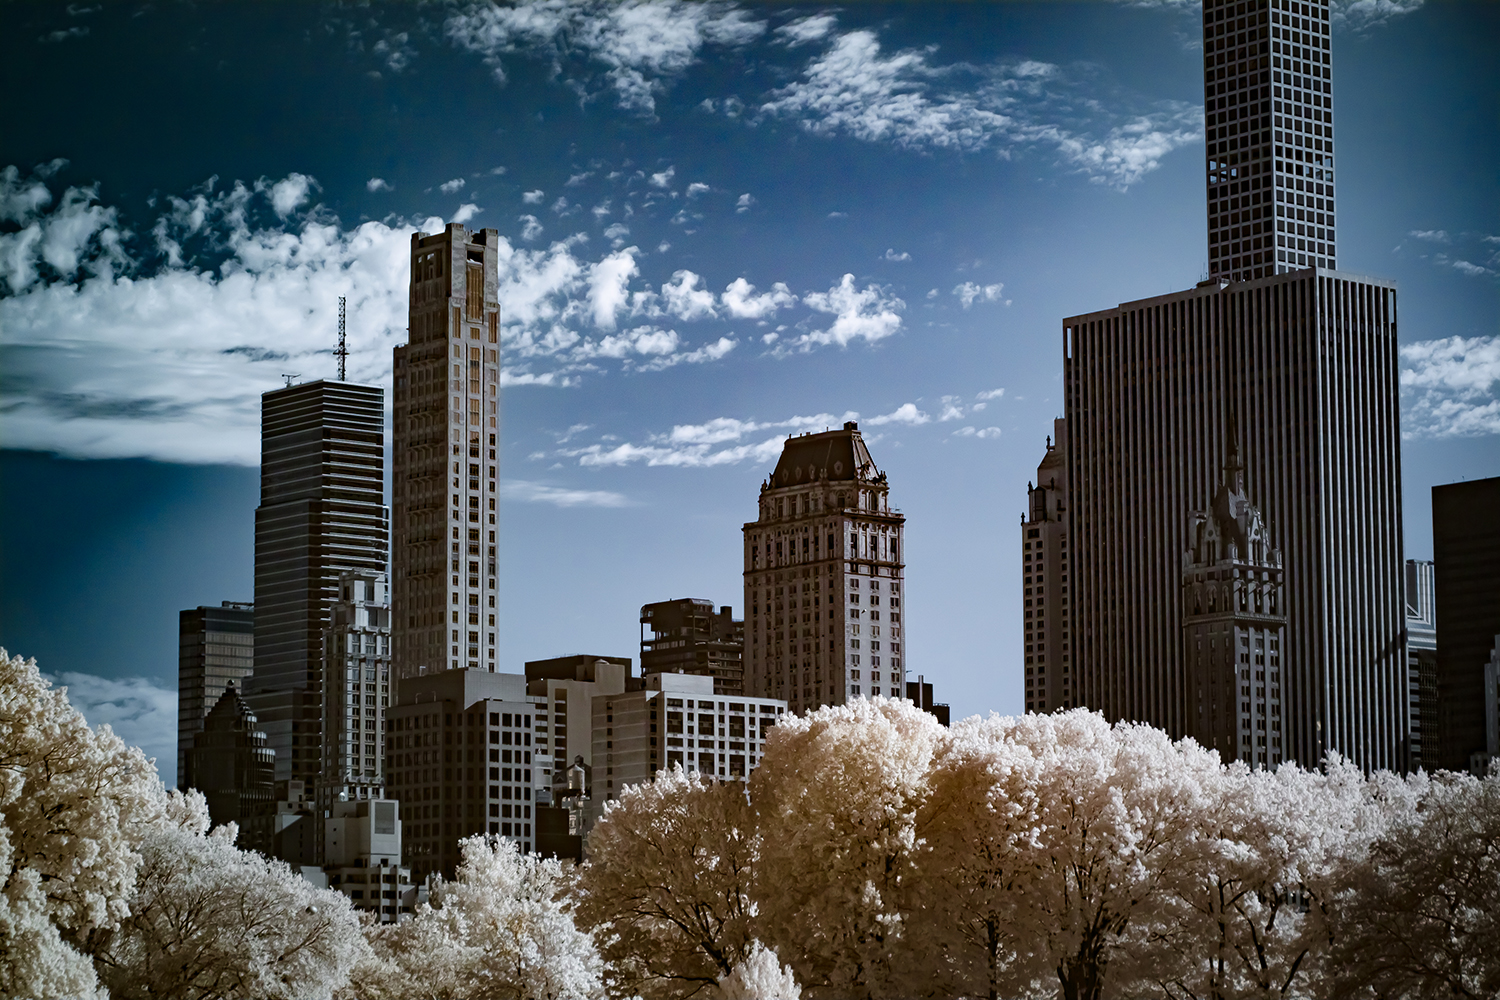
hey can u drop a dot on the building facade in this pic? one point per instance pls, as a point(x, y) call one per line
point(215, 648)
point(362, 858)
point(1466, 550)
point(1268, 110)
point(1233, 626)
point(1307, 362)
point(1421, 662)
point(823, 577)
point(321, 513)
point(232, 765)
point(445, 433)
point(459, 760)
point(688, 636)
point(564, 689)
point(1044, 582)
point(356, 691)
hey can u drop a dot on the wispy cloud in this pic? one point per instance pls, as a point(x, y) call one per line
point(968, 293)
point(525, 491)
point(1450, 387)
point(141, 712)
point(375, 184)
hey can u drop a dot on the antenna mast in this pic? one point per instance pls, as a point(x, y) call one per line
point(343, 352)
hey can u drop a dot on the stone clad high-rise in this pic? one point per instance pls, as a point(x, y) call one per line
point(1268, 121)
point(444, 457)
point(824, 573)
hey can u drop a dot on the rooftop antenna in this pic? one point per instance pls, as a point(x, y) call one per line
point(343, 352)
point(288, 378)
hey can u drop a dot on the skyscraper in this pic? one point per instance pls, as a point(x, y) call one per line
point(1233, 626)
point(215, 648)
point(823, 577)
point(1421, 663)
point(321, 513)
point(688, 637)
point(356, 689)
point(1268, 108)
point(1466, 550)
point(444, 457)
point(230, 763)
point(1307, 363)
point(1044, 554)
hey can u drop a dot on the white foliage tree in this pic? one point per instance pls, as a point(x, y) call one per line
point(760, 976)
point(837, 793)
point(210, 921)
point(668, 882)
point(74, 803)
point(501, 931)
point(1419, 913)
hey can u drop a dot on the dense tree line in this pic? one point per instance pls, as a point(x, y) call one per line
point(873, 854)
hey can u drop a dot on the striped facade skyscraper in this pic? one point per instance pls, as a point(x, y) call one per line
point(1268, 118)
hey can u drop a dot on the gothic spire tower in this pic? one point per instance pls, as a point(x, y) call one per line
point(445, 440)
point(1268, 118)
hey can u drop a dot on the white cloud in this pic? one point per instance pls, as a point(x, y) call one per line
point(696, 188)
point(990, 394)
point(1363, 14)
point(529, 492)
point(983, 432)
point(952, 409)
point(466, 211)
point(1431, 235)
point(577, 179)
point(805, 30)
point(872, 314)
point(560, 206)
point(377, 184)
point(744, 202)
point(1451, 387)
point(532, 228)
point(906, 413)
point(448, 187)
point(854, 89)
point(140, 712)
point(696, 445)
point(616, 234)
point(685, 300)
point(663, 179)
point(640, 46)
point(968, 293)
point(893, 255)
point(1471, 269)
point(290, 192)
point(608, 281)
point(533, 197)
point(741, 302)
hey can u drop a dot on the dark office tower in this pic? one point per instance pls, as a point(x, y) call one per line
point(823, 577)
point(1233, 626)
point(1466, 549)
point(1268, 108)
point(320, 515)
point(1307, 363)
point(688, 637)
point(215, 648)
point(444, 460)
point(1044, 553)
point(1421, 663)
point(230, 763)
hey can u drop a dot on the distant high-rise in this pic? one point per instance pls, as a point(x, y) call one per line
point(689, 637)
point(823, 577)
point(1466, 551)
point(1233, 626)
point(230, 763)
point(215, 648)
point(356, 689)
point(444, 457)
point(321, 513)
point(1307, 363)
point(1421, 663)
point(1044, 584)
point(1268, 108)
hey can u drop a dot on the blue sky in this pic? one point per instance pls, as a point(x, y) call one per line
point(724, 223)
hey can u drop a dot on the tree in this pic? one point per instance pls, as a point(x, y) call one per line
point(980, 820)
point(1119, 809)
point(761, 976)
point(501, 931)
point(1419, 913)
point(668, 882)
point(837, 793)
point(74, 803)
point(210, 921)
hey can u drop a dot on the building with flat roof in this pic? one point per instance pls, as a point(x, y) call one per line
point(215, 648)
point(824, 571)
point(688, 636)
point(1466, 554)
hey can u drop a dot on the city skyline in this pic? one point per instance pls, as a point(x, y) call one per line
point(975, 174)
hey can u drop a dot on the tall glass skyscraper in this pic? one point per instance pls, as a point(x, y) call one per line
point(1268, 120)
point(321, 513)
